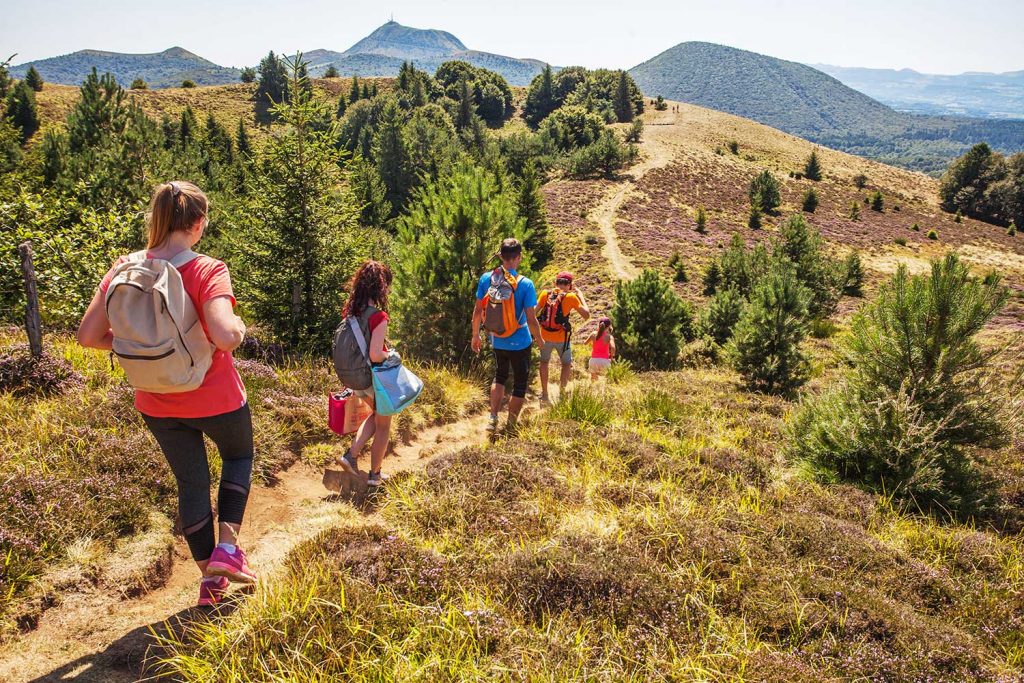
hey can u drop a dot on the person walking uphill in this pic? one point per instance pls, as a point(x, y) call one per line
point(553, 311)
point(167, 314)
point(505, 307)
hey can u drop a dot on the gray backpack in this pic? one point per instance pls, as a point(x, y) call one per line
point(349, 362)
point(158, 339)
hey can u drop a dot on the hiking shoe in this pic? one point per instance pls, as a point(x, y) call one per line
point(375, 479)
point(211, 590)
point(231, 565)
point(349, 463)
point(492, 426)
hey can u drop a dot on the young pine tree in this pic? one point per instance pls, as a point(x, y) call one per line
point(466, 112)
point(822, 275)
point(331, 72)
point(854, 284)
point(540, 98)
point(247, 75)
point(33, 79)
point(273, 84)
point(622, 103)
point(812, 169)
point(678, 267)
point(810, 201)
point(530, 200)
point(298, 239)
point(877, 201)
point(651, 321)
point(854, 211)
point(353, 93)
point(722, 314)
point(765, 347)
point(370, 193)
point(444, 243)
point(766, 187)
point(392, 155)
point(754, 218)
point(22, 111)
point(701, 220)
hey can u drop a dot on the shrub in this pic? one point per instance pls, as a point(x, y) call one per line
point(660, 104)
point(812, 169)
point(933, 235)
point(188, 83)
point(678, 267)
point(810, 201)
point(854, 282)
point(701, 220)
point(139, 84)
point(650, 321)
point(854, 211)
point(571, 127)
point(636, 129)
point(754, 217)
point(606, 156)
point(739, 267)
point(1012, 230)
point(764, 191)
point(734, 147)
point(877, 201)
point(920, 398)
point(248, 75)
point(915, 227)
point(23, 375)
point(331, 72)
point(902, 241)
point(722, 313)
point(860, 181)
point(958, 217)
point(765, 344)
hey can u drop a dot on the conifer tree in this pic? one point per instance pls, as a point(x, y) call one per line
point(765, 347)
point(823, 276)
point(754, 218)
point(218, 142)
point(539, 242)
point(242, 143)
point(6, 82)
point(854, 211)
point(353, 93)
point(33, 79)
point(467, 106)
point(373, 90)
point(540, 98)
point(392, 155)
point(247, 75)
point(765, 189)
point(701, 220)
point(812, 170)
point(55, 150)
point(853, 286)
point(444, 243)
point(365, 95)
point(22, 111)
point(187, 125)
point(331, 72)
point(139, 84)
point(419, 95)
point(370, 193)
point(877, 201)
point(651, 321)
point(342, 106)
point(622, 103)
point(301, 214)
point(810, 201)
point(273, 85)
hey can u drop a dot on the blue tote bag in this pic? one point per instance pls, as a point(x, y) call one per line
point(395, 387)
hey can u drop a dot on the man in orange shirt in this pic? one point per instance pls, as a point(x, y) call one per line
point(553, 309)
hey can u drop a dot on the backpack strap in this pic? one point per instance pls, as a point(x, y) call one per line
point(357, 332)
point(183, 258)
point(136, 257)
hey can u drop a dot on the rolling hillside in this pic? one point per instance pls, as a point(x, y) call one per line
point(998, 96)
point(160, 69)
point(804, 101)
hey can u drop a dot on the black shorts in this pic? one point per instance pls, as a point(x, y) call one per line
point(519, 363)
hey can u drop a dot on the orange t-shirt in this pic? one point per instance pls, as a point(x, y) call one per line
point(570, 302)
point(222, 390)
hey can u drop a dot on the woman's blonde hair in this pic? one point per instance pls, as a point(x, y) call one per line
point(175, 206)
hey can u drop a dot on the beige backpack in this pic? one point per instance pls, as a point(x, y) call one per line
point(158, 338)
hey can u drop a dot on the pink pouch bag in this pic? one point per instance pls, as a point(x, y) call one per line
point(345, 412)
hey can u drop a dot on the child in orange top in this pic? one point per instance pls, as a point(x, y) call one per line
point(603, 348)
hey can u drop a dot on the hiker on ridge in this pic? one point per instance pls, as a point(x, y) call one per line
point(553, 311)
point(505, 303)
point(167, 314)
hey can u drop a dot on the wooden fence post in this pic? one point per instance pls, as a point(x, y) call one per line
point(33, 323)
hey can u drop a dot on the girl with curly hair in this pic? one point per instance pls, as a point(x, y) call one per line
point(368, 303)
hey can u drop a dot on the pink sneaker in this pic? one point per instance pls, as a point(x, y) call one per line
point(211, 590)
point(231, 565)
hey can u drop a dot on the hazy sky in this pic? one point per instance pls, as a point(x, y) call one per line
point(936, 36)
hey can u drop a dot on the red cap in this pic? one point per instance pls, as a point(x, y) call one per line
point(564, 275)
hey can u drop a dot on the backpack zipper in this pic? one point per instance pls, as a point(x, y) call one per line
point(133, 356)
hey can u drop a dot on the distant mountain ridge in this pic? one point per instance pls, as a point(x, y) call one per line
point(972, 93)
point(394, 40)
point(804, 101)
point(159, 69)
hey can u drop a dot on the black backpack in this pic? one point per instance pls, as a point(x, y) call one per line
point(351, 366)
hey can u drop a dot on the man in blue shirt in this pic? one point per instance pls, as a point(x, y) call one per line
point(513, 351)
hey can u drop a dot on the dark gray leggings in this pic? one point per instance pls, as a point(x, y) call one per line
point(181, 440)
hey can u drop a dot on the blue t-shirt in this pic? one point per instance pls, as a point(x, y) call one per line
point(525, 297)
